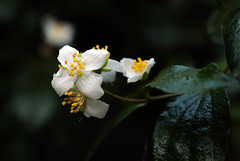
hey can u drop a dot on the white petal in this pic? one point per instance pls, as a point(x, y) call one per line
point(113, 65)
point(96, 108)
point(109, 77)
point(94, 59)
point(150, 64)
point(66, 53)
point(62, 82)
point(126, 64)
point(134, 78)
point(89, 84)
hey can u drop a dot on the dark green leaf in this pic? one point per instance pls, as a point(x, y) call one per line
point(231, 35)
point(110, 125)
point(193, 127)
point(182, 79)
point(214, 26)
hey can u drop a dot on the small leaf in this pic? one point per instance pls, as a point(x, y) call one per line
point(182, 79)
point(193, 127)
point(110, 125)
point(231, 36)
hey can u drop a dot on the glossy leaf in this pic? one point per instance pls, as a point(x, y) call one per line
point(182, 79)
point(231, 35)
point(193, 127)
point(110, 125)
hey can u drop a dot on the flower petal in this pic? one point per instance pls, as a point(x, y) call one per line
point(66, 53)
point(62, 82)
point(113, 65)
point(89, 84)
point(108, 77)
point(95, 108)
point(150, 64)
point(94, 59)
point(134, 78)
point(126, 64)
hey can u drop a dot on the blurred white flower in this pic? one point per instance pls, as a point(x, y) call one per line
point(89, 107)
point(135, 69)
point(57, 33)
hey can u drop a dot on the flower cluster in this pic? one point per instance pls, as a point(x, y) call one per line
point(80, 77)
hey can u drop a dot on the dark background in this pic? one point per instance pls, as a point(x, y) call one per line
point(34, 125)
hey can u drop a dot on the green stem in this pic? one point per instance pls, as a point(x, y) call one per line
point(163, 96)
point(150, 98)
point(124, 98)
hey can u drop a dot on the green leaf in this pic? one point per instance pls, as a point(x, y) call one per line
point(111, 124)
point(193, 127)
point(214, 26)
point(231, 36)
point(182, 79)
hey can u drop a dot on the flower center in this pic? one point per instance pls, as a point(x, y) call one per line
point(139, 66)
point(76, 67)
point(76, 99)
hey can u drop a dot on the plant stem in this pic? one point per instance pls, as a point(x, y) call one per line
point(150, 98)
point(163, 96)
point(124, 98)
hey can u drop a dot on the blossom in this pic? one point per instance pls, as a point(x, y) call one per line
point(57, 33)
point(89, 107)
point(109, 70)
point(77, 69)
point(135, 69)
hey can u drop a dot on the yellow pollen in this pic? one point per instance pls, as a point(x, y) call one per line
point(59, 66)
point(139, 66)
point(80, 73)
point(97, 46)
point(106, 47)
point(75, 99)
point(63, 103)
point(71, 73)
point(66, 99)
point(71, 65)
point(66, 61)
point(74, 104)
point(75, 54)
point(79, 55)
point(93, 47)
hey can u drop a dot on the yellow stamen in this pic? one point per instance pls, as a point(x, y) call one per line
point(66, 61)
point(59, 66)
point(71, 73)
point(139, 66)
point(97, 46)
point(106, 47)
point(75, 54)
point(71, 65)
point(75, 99)
point(63, 103)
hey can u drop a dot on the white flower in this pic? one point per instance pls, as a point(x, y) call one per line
point(135, 70)
point(77, 70)
point(89, 107)
point(109, 69)
point(57, 33)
